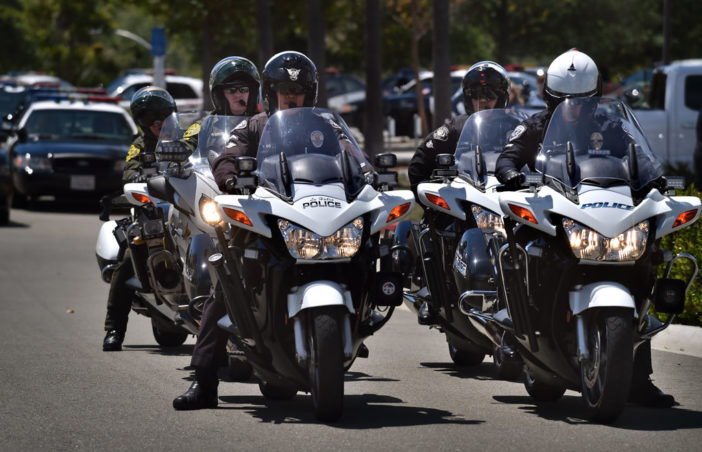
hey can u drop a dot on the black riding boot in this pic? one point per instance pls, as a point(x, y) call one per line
point(201, 394)
point(643, 391)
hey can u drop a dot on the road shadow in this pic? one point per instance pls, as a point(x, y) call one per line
point(13, 224)
point(181, 350)
point(571, 410)
point(64, 205)
point(483, 371)
point(361, 412)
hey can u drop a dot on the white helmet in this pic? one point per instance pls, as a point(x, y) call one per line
point(572, 74)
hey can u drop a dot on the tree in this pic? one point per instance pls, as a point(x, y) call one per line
point(442, 63)
point(316, 46)
point(373, 127)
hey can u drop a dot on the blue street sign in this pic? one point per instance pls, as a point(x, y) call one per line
point(158, 42)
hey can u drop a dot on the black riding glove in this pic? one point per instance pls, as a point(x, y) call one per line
point(511, 178)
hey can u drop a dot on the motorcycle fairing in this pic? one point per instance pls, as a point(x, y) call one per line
point(107, 247)
point(323, 220)
point(455, 193)
point(613, 216)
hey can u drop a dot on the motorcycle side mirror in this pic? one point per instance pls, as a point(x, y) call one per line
point(159, 187)
point(385, 161)
point(245, 166)
point(445, 161)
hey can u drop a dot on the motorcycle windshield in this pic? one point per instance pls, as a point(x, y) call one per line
point(597, 141)
point(309, 146)
point(213, 137)
point(487, 131)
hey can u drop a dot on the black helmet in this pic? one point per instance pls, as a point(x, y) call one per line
point(234, 70)
point(485, 77)
point(150, 104)
point(571, 74)
point(291, 68)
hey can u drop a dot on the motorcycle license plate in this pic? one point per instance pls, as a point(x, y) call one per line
point(82, 182)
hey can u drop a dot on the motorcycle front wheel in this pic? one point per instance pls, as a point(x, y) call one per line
point(606, 376)
point(326, 363)
point(166, 337)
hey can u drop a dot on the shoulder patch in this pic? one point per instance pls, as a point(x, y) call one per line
point(517, 132)
point(133, 152)
point(441, 133)
point(192, 130)
point(241, 125)
point(430, 144)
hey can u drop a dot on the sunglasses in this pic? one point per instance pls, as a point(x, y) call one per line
point(481, 93)
point(235, 89)
point(289, 88)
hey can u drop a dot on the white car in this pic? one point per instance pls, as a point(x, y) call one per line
point(187, 91)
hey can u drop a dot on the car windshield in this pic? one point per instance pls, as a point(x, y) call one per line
point(309, 146)
point(213, 137)
point(597, 141)
point(78, 124)
point(489, 131)
point(10, 98)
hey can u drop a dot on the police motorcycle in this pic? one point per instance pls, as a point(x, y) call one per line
point(579, 269)
point(157, 282)
point(304, 273)
point(456, 241)
point(188, 185)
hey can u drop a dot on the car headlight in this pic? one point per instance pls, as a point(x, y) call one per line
point(591, 245)
point(30, 163)
point(488, 221)
point(304, 244)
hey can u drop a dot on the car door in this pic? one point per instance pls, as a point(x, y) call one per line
point(684, 112)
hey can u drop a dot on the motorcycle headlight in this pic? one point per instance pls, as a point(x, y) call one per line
point(488, 221)
point(591, 245)
point(304, 244)
point(208, 211)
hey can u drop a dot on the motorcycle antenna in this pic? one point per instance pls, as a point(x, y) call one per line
point(479, 162)
point(633, 163)
point(285, 173)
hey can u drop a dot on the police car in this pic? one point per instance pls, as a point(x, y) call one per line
point(186, 91)
point(69, 146)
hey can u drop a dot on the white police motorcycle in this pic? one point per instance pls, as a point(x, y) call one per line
point(580, 268)
point(301, 266)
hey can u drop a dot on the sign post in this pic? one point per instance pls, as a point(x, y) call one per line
point(158, 51)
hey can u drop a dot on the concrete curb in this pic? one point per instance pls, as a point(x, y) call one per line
point(683, 339)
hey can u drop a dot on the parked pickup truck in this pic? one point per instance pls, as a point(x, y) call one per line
point(669, 118)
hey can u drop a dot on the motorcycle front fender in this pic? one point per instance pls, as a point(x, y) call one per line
point(317, 294)
point(601, 295)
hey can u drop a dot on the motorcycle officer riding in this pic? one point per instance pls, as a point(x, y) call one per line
point(571, 75)
point(150, 106)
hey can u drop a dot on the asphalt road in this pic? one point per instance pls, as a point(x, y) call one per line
point(59, 390)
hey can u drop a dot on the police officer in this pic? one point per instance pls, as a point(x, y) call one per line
point(150, 106)
point(571, 75)
point(234, 83)
point(485, 86)
point(289, 80)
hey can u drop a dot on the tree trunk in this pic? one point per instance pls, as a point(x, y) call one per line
point(373, 117)
point(316, 47)
point(416, 36)
point(442, 64)
point(207, 56)
point(265, 33)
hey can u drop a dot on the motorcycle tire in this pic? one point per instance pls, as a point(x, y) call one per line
point(166, 337)
point(606, 377)
point(238, 369)
point(506, 369)
point(326, 363)
point(276, 392)
point(542, 392)
point(465, 358)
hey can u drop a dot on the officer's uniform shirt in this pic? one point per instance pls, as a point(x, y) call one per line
point(441, 141)
point(243, 141)
point(523, 145)
point(143, 143)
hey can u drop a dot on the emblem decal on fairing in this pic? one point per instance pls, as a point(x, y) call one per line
point(293, 73)
point(388, 288)
point(317, 138)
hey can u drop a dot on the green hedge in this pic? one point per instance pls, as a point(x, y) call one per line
point(688, 240)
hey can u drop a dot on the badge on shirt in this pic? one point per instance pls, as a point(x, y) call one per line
point(596, 141)
point(133, 152)
point(430, 144)
point(517, 132)
point(192, 131)
point(441, 133)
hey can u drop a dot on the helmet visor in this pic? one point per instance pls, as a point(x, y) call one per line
point(481, 92)
point(289, 88)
